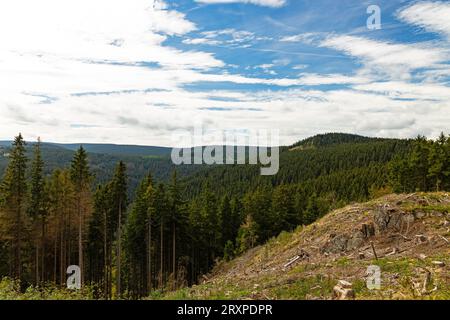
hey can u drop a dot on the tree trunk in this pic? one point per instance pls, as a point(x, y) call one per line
point(18, 258)
point(119, 251)
point(37, 264)
point(161, 269)
point(149, 248)
point(174, 256)
point(105, 263)
point(43, 249)
point(80, 240)
point(55, 259)
point(61, 252)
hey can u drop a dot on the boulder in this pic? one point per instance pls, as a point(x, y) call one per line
point(336, 245)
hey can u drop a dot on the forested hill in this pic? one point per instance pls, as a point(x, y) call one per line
point(294, 167)
point(327, 139)
point(342, 161)
point(335, 158)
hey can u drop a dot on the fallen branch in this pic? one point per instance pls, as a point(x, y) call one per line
point(404, 237)
point(444, 238)
point(293, 260)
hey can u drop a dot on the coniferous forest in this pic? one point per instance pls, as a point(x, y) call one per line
point(166, 234)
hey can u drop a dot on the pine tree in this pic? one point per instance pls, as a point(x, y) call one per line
point(119, 204)
point(97, 246)
point(312, 211)
point(438, 158)
point(136, 242)
point(38, 207)
point(283, 208)
point(160, 209)
point(175, 217)
point(14, 190)
point(150, 200)
point(61, 214)
point(257, 205)
point(81, 178)
point(230, 220)
point(247, 235)
point(418, 160)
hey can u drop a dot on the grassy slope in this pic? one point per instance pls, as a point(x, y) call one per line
point(260, 273)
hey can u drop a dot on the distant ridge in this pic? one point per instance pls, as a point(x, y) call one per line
point(117, 149)
point(327, 139)
point(111, 149)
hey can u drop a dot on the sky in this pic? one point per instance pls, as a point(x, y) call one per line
point(133, 72)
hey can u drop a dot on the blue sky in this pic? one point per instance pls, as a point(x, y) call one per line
point(134, 72)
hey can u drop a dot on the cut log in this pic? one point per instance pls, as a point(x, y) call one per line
point(344, 284)
point(343, 290)
point(439, 264)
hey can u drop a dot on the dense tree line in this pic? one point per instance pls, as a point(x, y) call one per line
point(172, 233)
point(425, 168)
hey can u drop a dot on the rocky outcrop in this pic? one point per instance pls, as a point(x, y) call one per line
point(387, 219)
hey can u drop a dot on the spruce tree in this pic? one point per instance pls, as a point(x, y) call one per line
point(38, 207)
point(81, 178)
point(14, 190)
point(438, 170)
point(119, 204)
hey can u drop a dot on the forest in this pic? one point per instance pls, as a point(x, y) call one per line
point(169, 231)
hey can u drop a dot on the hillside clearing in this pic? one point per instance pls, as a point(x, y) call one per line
point(410, 234)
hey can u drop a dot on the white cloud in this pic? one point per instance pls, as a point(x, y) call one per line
point(224, 37)
point(72, 71)
point(432, 16)
point(405, 90)
point(307, 38)
point(321, 79)
point(394, 60)
point(267, 3)
point(196, 41)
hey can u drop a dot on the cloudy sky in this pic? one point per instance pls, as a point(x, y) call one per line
point(122, 71)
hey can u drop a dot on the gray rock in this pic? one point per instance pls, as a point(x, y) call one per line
point(336, 245)
point(408, 218)
point(356, 240)
point(387, 219)
point(419, 214)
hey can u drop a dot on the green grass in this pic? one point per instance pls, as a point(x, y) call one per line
point(316, 286)
point(10, 290)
